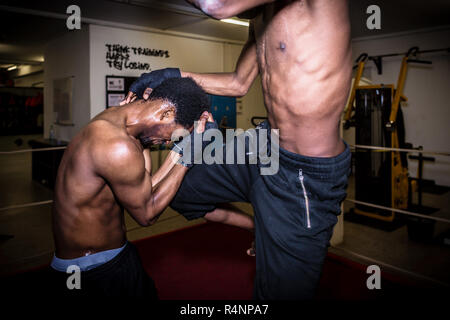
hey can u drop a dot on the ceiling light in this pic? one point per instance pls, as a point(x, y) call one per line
point(14, 67)
point(236, 21)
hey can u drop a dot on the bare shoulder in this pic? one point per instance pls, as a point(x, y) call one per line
point(102, 133)
point(114, 151)
point(96, 126)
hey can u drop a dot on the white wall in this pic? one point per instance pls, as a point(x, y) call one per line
point(427, 112)
point(82, 54)
point(186, 54)
point(68, 56)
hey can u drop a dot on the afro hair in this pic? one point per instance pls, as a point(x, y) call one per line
point(186, 95)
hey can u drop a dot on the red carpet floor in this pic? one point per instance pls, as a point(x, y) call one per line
point(209, 261)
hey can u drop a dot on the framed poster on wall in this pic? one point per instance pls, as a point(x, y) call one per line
point(115, 84)
point(114, 99)
point(117, 89)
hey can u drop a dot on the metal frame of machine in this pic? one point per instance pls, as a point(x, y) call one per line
point(399, 171)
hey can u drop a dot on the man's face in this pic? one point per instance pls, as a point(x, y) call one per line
point(159, 133)
point(159, 123)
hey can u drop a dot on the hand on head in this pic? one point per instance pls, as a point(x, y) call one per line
point(205, 122)
point(202, 121)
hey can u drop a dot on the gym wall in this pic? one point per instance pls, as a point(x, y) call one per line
point(427, 112)
point(84, 56)
point(68, 56)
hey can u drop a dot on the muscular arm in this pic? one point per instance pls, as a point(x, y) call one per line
point(121, 163)
point(235, 84)
point(163, 170)
point(147, 160)
point(221, 9)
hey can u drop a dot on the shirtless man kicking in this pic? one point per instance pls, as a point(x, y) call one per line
point(105, 170)
point(301, 49)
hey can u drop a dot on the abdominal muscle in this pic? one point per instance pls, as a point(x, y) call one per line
point(307, 125)
point(88, 229)
point(304, 58)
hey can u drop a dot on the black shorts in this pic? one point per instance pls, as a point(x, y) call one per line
point(295, 212)
point(124, 275)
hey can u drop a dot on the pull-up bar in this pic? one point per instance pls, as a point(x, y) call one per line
point(414, 51)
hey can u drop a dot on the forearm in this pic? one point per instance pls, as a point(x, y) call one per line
point(222, 84)
point(172, 175)
point(233, 84)
point(148, 200)
point(147, 160)
point(164, 192)
point(165, 168)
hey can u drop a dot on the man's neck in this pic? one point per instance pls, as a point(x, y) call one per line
point(132, 120)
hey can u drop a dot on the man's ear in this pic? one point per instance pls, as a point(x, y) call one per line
point(168, 113)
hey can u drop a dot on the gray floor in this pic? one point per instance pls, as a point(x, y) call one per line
point(32, 243)
point(395, 250)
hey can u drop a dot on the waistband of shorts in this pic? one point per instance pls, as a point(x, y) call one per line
point(336, 165)
point(87, 262)
point(329, 166)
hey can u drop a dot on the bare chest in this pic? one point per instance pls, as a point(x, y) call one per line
point(278, 29)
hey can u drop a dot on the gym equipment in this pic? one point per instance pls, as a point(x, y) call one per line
point(380, 177)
